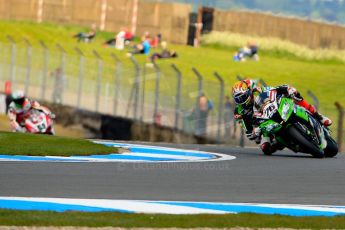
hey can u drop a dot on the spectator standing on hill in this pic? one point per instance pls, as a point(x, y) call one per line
point(58, 85)
point(204, 106)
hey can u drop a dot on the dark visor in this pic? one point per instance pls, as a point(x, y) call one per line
point(241, 98)
point(19, 101)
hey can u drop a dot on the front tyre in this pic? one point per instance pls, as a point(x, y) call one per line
point(304, 143)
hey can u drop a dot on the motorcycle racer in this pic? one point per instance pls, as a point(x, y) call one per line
point(244, 93)
point(19, 110)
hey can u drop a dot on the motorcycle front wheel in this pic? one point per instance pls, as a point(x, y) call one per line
point(306, 145)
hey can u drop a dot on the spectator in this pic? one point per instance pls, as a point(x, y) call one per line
point(144, 47)
point(124, 37)
point(248, 51)
point(253, 46)
point(58, 85)
point(204, 106)
point(165, 53)
point(146, 35)
point(87, 37)
point(154, 42)
point(120, 40)
point(128, 37)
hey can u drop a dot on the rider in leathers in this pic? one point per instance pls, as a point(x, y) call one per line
point(19, 110)
point(244, 93)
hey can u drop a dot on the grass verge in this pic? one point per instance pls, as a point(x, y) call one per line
point(276, 46)
point(102, 219)
point(44, 145)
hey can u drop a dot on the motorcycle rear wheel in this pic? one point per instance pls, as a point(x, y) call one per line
point(304, 142)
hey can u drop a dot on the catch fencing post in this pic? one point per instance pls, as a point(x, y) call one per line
point(118, 66)
point(28, 65)
point(13, 60)
point(80, 77)
point(45, 69)
point(200, 81)
point(62, 68)
point(220, 106)
point(197, 107)
point(142, 113)
point(158, 78)
point(314, 98)
point(178, 95)
point(235, 125)
point(136, 87)
point(340, 125)
point(242, 138)
point(99, 77)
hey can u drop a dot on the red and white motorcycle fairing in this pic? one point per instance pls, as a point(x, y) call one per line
point(39, 122)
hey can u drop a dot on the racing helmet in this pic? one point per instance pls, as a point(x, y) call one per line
point(241, 93)
point(18, 97)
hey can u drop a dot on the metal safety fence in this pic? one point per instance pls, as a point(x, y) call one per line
point(150, 93)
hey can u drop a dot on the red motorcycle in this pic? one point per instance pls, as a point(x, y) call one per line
point(40, 122)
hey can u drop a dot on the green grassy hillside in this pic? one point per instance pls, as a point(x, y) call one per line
point(323, 75)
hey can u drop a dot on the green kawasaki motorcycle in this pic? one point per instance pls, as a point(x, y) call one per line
point(292, 126)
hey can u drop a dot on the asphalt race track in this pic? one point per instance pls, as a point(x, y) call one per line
point(285, 178)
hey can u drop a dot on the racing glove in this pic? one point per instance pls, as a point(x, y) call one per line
point(21, 129)
point(17, 128)
point(294, 94)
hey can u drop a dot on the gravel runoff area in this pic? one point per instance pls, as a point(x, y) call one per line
point(113, 228)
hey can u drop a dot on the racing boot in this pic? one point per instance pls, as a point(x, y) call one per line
point(322, 119)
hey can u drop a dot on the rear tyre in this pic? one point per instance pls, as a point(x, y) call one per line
point(304, 143)
point(332, 147)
